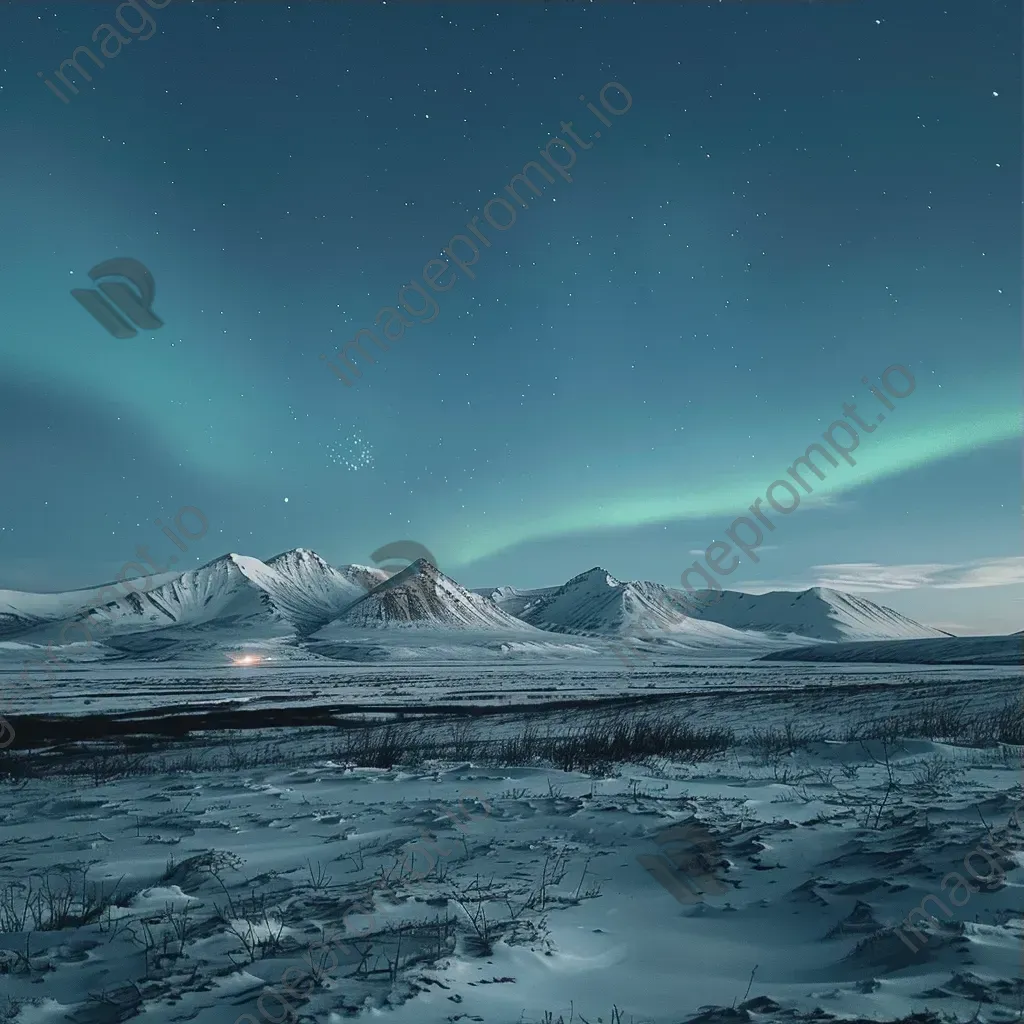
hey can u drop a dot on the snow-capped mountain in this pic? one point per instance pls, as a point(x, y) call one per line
point(239, 597)
point(22, 612)
point(595, 603)
point(311, 592)
point(818, 613)
point(234, 592)
point(293, 592)
point(511, 599)
point(422, 596)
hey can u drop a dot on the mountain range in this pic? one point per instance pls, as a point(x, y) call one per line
point(596, 603)
point(238, 598)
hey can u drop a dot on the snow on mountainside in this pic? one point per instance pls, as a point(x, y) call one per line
point(311, 592)
point(231, 591)
point(512, 600)
point(293, 592)
point(21, 611)
point(297, 592)
point(819, 613)
point(596, 603)
point(422, 596)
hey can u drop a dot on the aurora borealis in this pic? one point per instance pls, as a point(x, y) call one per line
point(800, 196)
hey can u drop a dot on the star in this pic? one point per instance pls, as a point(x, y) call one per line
point(353, 453)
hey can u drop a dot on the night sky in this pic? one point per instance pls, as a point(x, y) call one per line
point(799, 195)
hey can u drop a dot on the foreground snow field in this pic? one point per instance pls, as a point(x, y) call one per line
point(518, 867)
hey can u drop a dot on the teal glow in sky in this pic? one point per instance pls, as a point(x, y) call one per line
point(799, 196)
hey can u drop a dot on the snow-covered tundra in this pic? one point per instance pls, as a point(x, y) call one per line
point(512, 867)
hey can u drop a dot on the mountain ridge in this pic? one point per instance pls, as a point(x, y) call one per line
point(298, 592)
point(596, 603)
point(818, 613)
point(424, 597)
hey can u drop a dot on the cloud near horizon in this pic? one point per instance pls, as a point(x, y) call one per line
point(871, 577)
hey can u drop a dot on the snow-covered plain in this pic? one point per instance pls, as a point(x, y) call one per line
point(431, 673)
point(965, 650)
point(214, 864)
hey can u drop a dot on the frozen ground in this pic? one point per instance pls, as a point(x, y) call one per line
point(425, 675)
point(506, 868)
point(962, 650)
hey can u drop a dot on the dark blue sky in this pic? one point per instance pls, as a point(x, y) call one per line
point(800, 195)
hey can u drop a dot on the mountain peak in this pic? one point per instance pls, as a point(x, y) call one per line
point(423, 596)
point(297, 555)
point(420, 567)
point(819, 613)
point(597, 575)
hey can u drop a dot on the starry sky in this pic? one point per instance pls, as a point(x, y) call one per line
point(798, 196)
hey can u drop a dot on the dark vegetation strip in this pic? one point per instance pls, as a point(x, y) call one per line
point(595, 742)
point(34, 731)
point(170, 721)
point(598, 742)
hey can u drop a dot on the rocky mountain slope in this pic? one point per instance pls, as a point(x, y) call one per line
point(424, 597)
